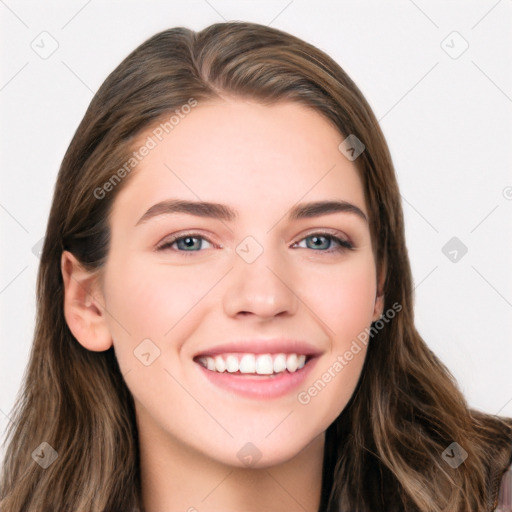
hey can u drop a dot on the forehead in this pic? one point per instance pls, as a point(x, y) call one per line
point(245, 154)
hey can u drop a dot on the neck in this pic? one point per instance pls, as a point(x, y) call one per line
point(175, 478)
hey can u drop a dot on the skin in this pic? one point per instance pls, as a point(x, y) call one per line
point(260, 161)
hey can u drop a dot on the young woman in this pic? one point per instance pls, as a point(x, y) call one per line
point(225, 304)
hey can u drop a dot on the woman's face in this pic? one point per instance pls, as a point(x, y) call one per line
point(260, 282)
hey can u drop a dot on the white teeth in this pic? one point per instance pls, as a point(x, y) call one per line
point(248, 364)
point(280, 363)
point(220, 364)
point(292, 362)
point(231, 364)
point(262, 364)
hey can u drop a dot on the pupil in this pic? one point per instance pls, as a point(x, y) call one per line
point(317, 241)
point(188, 242)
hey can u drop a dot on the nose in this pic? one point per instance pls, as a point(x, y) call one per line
point(263, 288)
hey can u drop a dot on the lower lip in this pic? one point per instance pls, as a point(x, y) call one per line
point(260, 387)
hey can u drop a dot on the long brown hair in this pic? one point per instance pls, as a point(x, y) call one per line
point(384, 451)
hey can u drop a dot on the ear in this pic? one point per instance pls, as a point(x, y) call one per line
point(379, 298)
point(83, 305)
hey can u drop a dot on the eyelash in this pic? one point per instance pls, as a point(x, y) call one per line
point(343, 245)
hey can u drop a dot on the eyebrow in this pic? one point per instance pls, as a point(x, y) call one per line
point(225, 213)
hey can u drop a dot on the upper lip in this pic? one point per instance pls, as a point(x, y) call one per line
point(263, 346)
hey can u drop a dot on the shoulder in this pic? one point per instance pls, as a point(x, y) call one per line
point(496, 433)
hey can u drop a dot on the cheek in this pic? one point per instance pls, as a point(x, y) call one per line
point(152, 301)
point(342, 297)
point(138, 301)
point(156, 303)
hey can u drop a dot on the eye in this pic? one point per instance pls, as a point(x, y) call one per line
point(190, 242)
point(325, 241)
point(194, 242)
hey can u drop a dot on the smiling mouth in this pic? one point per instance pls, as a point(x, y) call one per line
point(254, 365)
point(265, 385)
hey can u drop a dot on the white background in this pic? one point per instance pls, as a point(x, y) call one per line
point(448, 122)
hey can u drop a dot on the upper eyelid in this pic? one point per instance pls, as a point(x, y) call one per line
point(192, 234)
point(321, 232)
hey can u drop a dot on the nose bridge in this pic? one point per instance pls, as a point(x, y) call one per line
point(259, 281)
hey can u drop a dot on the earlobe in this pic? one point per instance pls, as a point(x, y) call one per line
point(83, 305)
